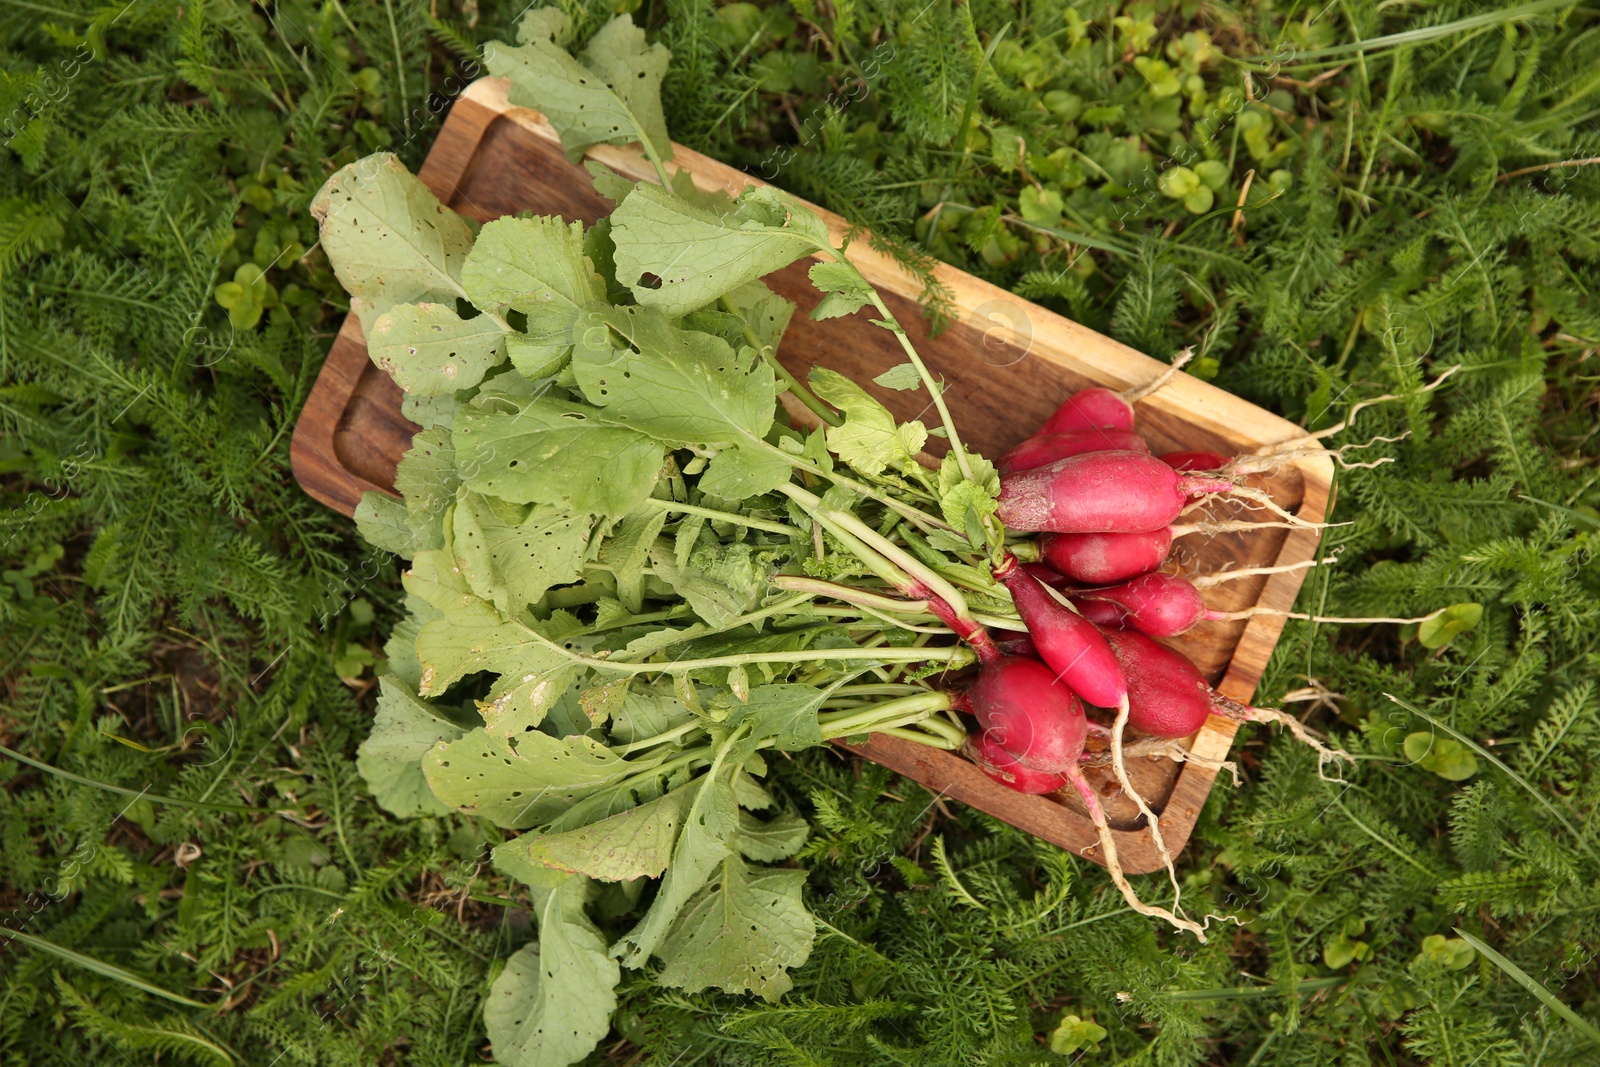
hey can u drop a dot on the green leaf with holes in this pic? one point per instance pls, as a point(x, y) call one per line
point(429, 350)
point(390, 759)
point(388, 238)
point(536, 266)
point(677, 257)
point(512, 554)
point(520, 783)
point(553, 1002)
point(610, 94)
point(557, 452)
point(741, 933)
point(679, 386)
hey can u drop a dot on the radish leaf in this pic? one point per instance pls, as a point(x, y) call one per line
point(741, 933)
point(554, 1000)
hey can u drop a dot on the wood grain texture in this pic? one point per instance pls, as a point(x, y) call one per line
point(1007, 364)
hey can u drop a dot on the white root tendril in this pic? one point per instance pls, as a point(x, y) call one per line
point(1169, 748)
point(1206, 581)
point(1260, 463)
point(1108, 846)
point(1245, 713)
point(1355, 409)
point(1217, 526)
point(1120, 769)
point(1139, 392)
point(1256, 496)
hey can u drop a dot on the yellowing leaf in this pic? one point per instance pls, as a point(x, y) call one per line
point(431, 351)
point(636, 843)
point(389, 239)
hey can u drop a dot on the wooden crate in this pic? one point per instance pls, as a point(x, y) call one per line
point(1007, 362)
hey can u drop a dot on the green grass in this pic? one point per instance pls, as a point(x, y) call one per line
point(187, 643)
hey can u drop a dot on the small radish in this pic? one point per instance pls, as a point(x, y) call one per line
point(1026, 710)
point(1194, 461)
point(1003, 767)
point(1105, 614)
point(1066, 641)
point(1167, 695)
point(1103, 558)
point(1090, 409)
point(1099, 492)
point(1048, 447)
point(1160, 605)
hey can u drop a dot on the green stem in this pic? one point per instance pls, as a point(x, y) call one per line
point(650, 742)
point(915, 515)
point(859, 597)
point(955, 655)
point(900, 712)
point(839, 522)
point(724, 516)
point(793, 384)
point(935, 390)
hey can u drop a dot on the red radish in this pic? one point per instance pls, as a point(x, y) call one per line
point(1067, 641)
point(1160, 605)
point(1003, 767)
point(1026, 710)
point(1103, 558)
point(1089, 409)
point(1048, 447)
point(1194, 461)
point(1167, 695)
point(1099, 492)
point(1049, 576)
point(1103, 613)
point(1015, 644)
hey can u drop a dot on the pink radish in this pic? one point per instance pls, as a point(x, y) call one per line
point(1015, 644)
point(1167, 695)
point(1003, 767)
point(1105, 614)
point(1090, 409)
point(1099, 492)
point(1194, 461)
point(1047, 575)
point(1026, 710)
point(1103, 558)
point(1048, 447)
point(1160, 605)
point(1066, 641)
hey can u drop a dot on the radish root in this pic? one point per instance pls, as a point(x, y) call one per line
point(1259, 463)
point(1233, 525)
point(1232, 709)
point(1355, 409)
point(1206, 581)
point(1108, 845)
point(1172, 749)
point(1139, 392)
point(1119, 768)
point(1231, 616)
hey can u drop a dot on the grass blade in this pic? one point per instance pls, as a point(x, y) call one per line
point(1526, 981)
point(154, 798)
point(101, 968)
point(1419, 36)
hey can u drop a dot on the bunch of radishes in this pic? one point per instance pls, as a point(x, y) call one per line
point(1093, 603)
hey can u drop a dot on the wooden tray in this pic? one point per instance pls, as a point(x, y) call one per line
point(1007, 362)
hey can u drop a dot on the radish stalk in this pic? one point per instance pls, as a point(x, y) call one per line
point(1108, 845)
